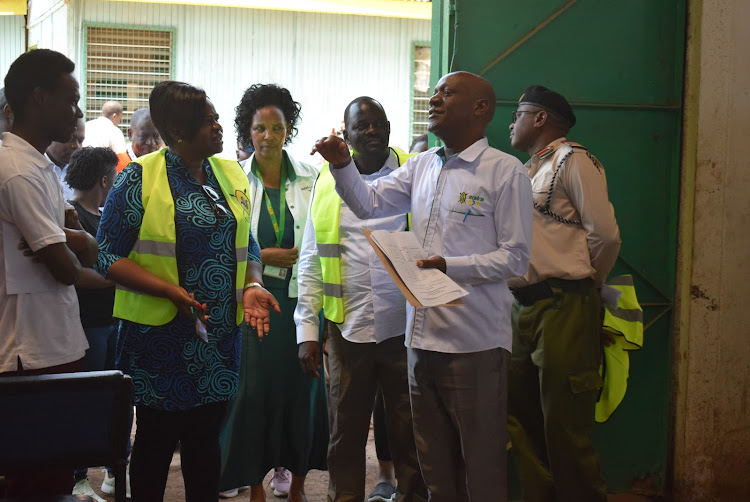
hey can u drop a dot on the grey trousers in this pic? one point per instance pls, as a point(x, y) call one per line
point(356, 370)
point(459, 410)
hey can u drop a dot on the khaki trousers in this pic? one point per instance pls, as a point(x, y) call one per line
point(553, 386)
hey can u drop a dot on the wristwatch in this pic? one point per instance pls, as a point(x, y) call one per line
point(253, 285)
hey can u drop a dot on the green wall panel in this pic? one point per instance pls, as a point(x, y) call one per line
point(620, 65)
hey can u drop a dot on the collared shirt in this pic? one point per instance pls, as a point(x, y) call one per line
point(102, 132)
point(474, 210)
point(39, 320)
point(375, 308)
point(60, 173)
point(586, 248)
point(299, 183)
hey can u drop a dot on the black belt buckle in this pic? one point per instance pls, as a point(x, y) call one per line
point(529, 295)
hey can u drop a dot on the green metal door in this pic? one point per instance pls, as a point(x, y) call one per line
point(619, 63)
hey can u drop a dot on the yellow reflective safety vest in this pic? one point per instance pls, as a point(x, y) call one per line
point(625, 322)
point(155, 249)
point(326, 213)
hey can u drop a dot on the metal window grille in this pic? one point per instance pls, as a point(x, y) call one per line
point(124, 64)
point(421, 91)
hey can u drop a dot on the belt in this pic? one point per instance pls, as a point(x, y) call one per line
point(529, 295)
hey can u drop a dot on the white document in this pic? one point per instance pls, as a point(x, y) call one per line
point(429, 285)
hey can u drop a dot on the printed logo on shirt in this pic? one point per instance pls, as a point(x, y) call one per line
point(472, 200)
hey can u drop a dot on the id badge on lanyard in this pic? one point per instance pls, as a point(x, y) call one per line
point(278, 226)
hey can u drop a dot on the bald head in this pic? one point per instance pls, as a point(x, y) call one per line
point(144, 138)
point(113, 111)
point(461, 107)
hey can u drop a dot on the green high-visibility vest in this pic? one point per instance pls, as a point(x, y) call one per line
point(155, 249)
point(326, 214)
point(625, 321)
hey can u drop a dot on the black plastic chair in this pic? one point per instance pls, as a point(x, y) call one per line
point(67, 420)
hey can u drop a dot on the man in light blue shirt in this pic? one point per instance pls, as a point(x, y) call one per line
point(471, 208)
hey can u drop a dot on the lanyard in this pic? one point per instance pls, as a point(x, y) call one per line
point(278, 226)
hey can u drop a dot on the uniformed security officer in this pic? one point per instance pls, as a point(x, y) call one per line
point(553, 377)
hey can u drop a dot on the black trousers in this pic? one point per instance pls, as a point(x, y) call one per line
point(156, 437)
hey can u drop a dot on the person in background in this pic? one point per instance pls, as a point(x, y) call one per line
point(419, 144)
point(554, 379)
point(279, 419)
point(243, 152)
point(175, 237)
point(40, 330)
point(471, 207)
point(144, 138)
point(104, 131)
point(59, 153)
point(90, 174)
point(365, 316)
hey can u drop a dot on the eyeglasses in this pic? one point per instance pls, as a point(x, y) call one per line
point(213, 199)
point(516, 113)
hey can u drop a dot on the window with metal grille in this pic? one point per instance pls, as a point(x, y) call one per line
point(124, 64)
point(421, 90)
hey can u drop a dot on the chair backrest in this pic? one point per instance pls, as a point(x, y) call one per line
point(65, 420)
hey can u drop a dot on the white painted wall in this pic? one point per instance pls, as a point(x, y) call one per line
point(325, 60)
point(712, 426)
point(12, 42)
point(49, 27)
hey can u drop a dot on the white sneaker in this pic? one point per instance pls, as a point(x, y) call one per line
point(83, 487)
point(280, 482)
point(108, 485)
point(233, 492)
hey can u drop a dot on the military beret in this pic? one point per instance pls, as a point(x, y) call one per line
point(549, 100)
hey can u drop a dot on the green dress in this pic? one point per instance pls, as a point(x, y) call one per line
point(280, 415)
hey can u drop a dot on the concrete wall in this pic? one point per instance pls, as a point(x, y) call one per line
point(712, 363)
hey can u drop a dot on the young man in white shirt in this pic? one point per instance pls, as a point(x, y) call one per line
point(40, 329)
point(365, 319)
point(471, 208)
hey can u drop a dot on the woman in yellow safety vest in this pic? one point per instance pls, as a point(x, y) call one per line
point(279, 420)
point(175, 237)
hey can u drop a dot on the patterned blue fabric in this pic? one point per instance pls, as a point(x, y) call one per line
point(172, 369)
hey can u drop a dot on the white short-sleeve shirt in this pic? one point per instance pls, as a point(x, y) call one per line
point(39, 317)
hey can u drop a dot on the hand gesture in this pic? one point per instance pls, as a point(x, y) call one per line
point(309, 358)
point(279, 257)
point(334, 150)
point(257, 303)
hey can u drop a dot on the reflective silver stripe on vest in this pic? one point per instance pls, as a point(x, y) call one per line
point(238, 295)
point(241, 254)
point(333, 290)
point(164, 249)
point(328, 251)
point(629, 315)
point(622, 280)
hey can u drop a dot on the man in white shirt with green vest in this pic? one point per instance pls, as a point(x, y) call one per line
point(366, 316)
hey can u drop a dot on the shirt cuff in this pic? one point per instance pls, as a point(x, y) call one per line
point(307, 333)
point(458, 267)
